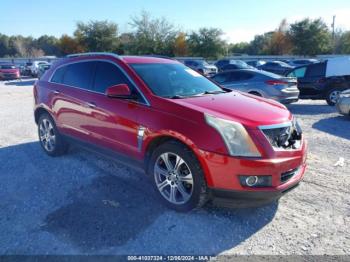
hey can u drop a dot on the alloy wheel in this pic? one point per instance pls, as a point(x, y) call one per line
point(173, 178)
point(47, 135)
point(333, 96)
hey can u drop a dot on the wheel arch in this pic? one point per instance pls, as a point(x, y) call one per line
point(39, 111)
point(155, 141)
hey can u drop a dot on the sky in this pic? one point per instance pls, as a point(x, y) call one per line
point(239, 19)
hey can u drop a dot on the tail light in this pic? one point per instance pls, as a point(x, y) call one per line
point(276, 82)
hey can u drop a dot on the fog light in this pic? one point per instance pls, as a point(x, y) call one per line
point(251, 180)
point(255, 181)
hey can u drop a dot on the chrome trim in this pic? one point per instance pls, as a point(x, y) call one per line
point(100, 60)
point(276, 125)
point(140, 134)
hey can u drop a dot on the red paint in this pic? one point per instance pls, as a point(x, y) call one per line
point(114, 124)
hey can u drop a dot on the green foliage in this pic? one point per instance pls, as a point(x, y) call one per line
point(310, 37)
point(158, 36)
point(97, 36)
point(152, 35)
point(206, 42)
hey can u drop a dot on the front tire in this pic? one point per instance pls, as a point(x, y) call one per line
point(178, 177)
point(50, 139)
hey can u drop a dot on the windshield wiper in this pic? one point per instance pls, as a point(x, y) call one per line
point(214, 92)
point(176, 97)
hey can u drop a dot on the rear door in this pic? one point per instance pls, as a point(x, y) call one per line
point(240, 80)
point(72, 85)
point(311, 83)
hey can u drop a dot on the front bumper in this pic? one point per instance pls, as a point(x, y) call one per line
point(222, 175)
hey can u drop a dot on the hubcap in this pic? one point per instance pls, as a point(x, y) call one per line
point(47, 135)
point(333, 96)
point(173, 178)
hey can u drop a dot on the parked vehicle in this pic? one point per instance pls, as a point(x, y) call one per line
point(343, 103)
point(256, 63)
point(194, 139)
point(42, 69)
point(260, 83)
point(277, 67)
point(27, 70)
point(9, 72)
point(229, 64)
point(301, 62)
point(324, 80)
point(201, 66)
point(34, 68)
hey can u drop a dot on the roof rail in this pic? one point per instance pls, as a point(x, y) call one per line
point(93, 54)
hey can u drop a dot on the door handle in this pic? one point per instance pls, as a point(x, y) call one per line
point(56, 92)
point(91, 105)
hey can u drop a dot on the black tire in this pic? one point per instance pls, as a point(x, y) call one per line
point(60, 146)
point(330, 96)
point(255, 93)
point(199, 194)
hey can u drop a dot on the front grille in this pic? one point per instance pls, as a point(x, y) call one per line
point(285, 137)
point(288, 175)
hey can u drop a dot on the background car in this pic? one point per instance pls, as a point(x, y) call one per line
point(343, 103)
point(256, 63)
point(225, 65)
point(314, 83)
point(277, 67)
point(34, 68)
point(42, 69)
point(301, 62)
point(8, 72)
point(201, 66)
point(260, 83)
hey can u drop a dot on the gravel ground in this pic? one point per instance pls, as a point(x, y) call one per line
point(84, 204)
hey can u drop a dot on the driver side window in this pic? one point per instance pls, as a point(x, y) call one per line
point(298, 73)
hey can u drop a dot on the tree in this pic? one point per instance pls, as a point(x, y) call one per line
point(48, 44)
point(207, 42)
point(344, 43)
point(69, 45)
point(239, 48)
point(97, 36)
point(4, 45)
point(310, 37)
point(152, 35)
point(280, 43)
point(260, 44)
point(180, 45)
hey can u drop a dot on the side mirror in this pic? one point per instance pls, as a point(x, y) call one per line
point(119, 91)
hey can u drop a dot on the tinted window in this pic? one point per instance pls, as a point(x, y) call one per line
point(316, 70)
point(299, 72)
point(240, 76)
point(169, 80)
point(221, 78)
point(108, 75)
point(271, 64)
point(58, 75)
point(7, 67)
point(79, 75)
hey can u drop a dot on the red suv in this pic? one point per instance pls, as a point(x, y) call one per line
point(196, 140)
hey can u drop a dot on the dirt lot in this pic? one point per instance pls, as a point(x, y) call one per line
point(82, 203)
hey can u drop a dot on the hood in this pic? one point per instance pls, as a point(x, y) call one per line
point(249, 110)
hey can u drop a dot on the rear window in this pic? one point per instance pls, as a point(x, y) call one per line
point(58, 75)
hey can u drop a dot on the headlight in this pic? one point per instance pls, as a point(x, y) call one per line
point(235, 136)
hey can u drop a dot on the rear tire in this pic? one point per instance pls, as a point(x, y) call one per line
point(50, 139)
point(332, 96)
point(181, 186)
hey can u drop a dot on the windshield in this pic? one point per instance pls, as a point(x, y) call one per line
point(174, 80)
point(240, 64)
point(7, 67)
